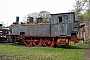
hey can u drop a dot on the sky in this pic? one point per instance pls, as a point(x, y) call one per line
point(9, 9)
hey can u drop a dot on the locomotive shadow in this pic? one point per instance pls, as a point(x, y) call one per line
point(17, 44)
point(10, 43)
point(64, 47)
point(70, 47)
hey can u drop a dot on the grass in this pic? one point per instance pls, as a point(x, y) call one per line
point(8, 51)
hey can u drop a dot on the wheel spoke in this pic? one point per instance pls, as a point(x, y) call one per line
point(28, 43)
point(48, 43)
point(37, 43)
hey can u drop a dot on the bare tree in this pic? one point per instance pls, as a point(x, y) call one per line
point(45, 15)
point(25, 19)
point(35, 15)
point(79, 8)
point(3, 23)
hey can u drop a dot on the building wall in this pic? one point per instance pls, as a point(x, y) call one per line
point(85, 31)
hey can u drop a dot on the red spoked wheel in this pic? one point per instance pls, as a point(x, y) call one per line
point(28, 42)
point(37, 43)
point(49, 43)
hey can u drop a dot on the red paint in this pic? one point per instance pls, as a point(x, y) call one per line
point(63, 41)
point(73, 38)
point(28, 42)
point(46, 41)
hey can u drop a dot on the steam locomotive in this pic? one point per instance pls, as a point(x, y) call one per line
point(60, 30)
point(3, 32)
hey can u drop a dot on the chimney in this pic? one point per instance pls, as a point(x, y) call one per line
point(17, 19)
